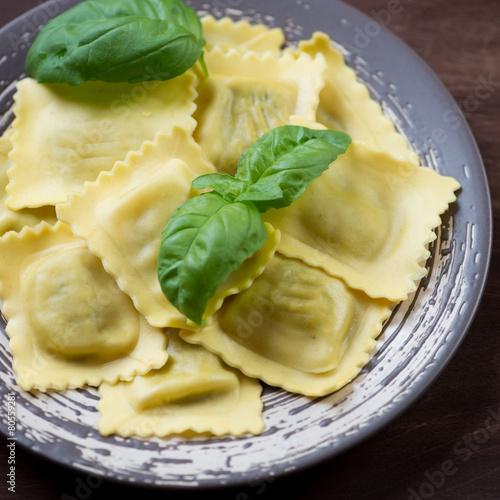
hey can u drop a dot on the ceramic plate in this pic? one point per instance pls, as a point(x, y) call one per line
point(417, 342)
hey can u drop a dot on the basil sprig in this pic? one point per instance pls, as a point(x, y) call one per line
point(117, 41)
point(275, 170)
point(211, 235)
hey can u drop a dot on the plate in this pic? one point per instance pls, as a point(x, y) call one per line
point(419, 339)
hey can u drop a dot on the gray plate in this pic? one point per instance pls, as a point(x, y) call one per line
point(418, 341)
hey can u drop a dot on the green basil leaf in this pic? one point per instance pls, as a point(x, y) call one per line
point(173, 11)
point(224, 184)
point(205, 240)
point(115, 50)
point(289, 157)
point(117, 41)
point(262, 191)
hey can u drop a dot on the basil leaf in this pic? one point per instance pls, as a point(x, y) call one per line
point(173, 11)
point(224, 184)
point(288, 157)
point(262, 191)
point(205, 240)
point(117, 41)
point(116, 50)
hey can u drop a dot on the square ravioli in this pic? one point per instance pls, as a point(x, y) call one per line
point(71, 134)
point(69, 324)
point(249, 94)
point(368, 220)
point(297, 328)
point(193, 393)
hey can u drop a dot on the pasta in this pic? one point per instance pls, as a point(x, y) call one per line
point(69, 323)
point(373, 231)
point(74, 133)
point(226, 34)
point(235, 107)
point(297, 328)
point(193, 392)
point(81, 233)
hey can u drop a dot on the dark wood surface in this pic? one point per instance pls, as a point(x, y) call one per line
point(446, 446)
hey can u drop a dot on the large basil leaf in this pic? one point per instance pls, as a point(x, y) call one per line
point(204, 241)
point(287, 158)
point(117, 41)
point(166, 10)
point(173, 11)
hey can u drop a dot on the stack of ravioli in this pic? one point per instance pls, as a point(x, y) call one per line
point(91, 175)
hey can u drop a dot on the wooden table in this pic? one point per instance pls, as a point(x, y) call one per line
point(447, 445)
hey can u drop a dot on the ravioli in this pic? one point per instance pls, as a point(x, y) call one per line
point(69, 324)
point(249, 94)
point(345, 104)
point(11, 220)
point(123, 213)
point(225, 33)
point(73, 133)
point(194, 392)
point(296, 328)
point(367, 220)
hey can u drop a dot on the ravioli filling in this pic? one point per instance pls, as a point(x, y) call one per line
point(293, 314)
point(193, 392)
point(241, 110)
point(145, 208)
point(76, 309)
point(191, 377)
